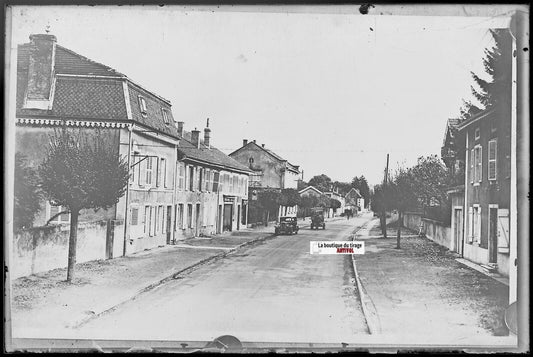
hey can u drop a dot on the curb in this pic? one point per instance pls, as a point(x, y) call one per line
point(166, 279)
point(372, 321)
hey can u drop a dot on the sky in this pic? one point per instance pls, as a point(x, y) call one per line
point(330, 92)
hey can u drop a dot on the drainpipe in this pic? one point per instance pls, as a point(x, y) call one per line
point(465, 211)
point(219, 226)
point(126, 230)
point(175, 194)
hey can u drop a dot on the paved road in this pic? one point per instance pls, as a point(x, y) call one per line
point(274, 291)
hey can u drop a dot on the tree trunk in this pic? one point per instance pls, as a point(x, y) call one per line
point(399, 230)
point(383, 222)
point(267, 218)
point(72, 242)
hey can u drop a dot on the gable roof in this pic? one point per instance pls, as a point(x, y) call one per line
point(210, 156)
point(466, 123)
point(451, 129)
point(355, 191)
point(310, 188)
point(292, 167)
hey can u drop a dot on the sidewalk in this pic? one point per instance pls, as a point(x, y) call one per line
point(421, 290)
point(45, 303)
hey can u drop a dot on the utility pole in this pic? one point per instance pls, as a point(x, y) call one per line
point(383, 216)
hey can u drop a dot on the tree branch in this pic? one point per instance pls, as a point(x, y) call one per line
point(55, 216)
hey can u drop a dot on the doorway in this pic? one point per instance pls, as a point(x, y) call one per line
point(197, 220)
point(458, 229)
point(493, 234)
point(228, 215)
point(169, 222)
point(238, 217)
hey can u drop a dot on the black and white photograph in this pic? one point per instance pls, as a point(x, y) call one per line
point(266, 178)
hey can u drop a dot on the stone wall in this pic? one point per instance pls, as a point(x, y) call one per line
point(45, 248)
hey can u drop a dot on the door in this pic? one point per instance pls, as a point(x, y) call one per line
point(197, 220)
point(458, 230)
point(228, 215)
point(493, 234)
point(219, 220)
point(244, 210)
point(238, 217)
point(169, 221)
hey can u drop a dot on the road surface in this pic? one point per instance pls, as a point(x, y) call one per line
point(274, 291)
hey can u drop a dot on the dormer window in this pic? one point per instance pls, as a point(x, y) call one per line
point(166, 116)
point(142, 106)
point(476, 134)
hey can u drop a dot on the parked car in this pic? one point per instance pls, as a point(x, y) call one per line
point(317, 221)
point(286, 225)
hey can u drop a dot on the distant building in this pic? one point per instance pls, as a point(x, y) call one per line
point(268, 171)
point(354, 201)
point(334, 194)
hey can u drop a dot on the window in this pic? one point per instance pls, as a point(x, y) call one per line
point(156, 218)
point(492, 159)
point(200, 179)
point(142, 105)
point(208, 183)
point(153, 218)
point(191, 178)
point(181, 175)
point(476, 134)
point(216, 176)
point(180, 215)
point(166, 115)
point(189, 215)
point(161, 218)
point(478, 163)
point(62, 218)
point(149, 170)
point(251, 160)
point(146, 219)
point(474, 223)
point(162, 173)
point(134, 216)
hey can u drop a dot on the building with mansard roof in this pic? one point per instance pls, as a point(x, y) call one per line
point(181, 185)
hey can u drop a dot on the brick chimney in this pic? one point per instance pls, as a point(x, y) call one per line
point(262, 145)
point(40, 71)
point(195, 138)
point(207, 135)
point(244, 142)
point(180, 128)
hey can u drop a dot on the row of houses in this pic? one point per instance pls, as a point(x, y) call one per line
point(479, 154)
point(352, 201)
point(180, 184)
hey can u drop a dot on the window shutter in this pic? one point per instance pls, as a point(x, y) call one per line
point(158, 174)
point(187, 178)
point(470, 224)
point(503, 230)
point(480, 164)
point(478, 225)
point(492, 160)
point(471, 170)
point(142, 172)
